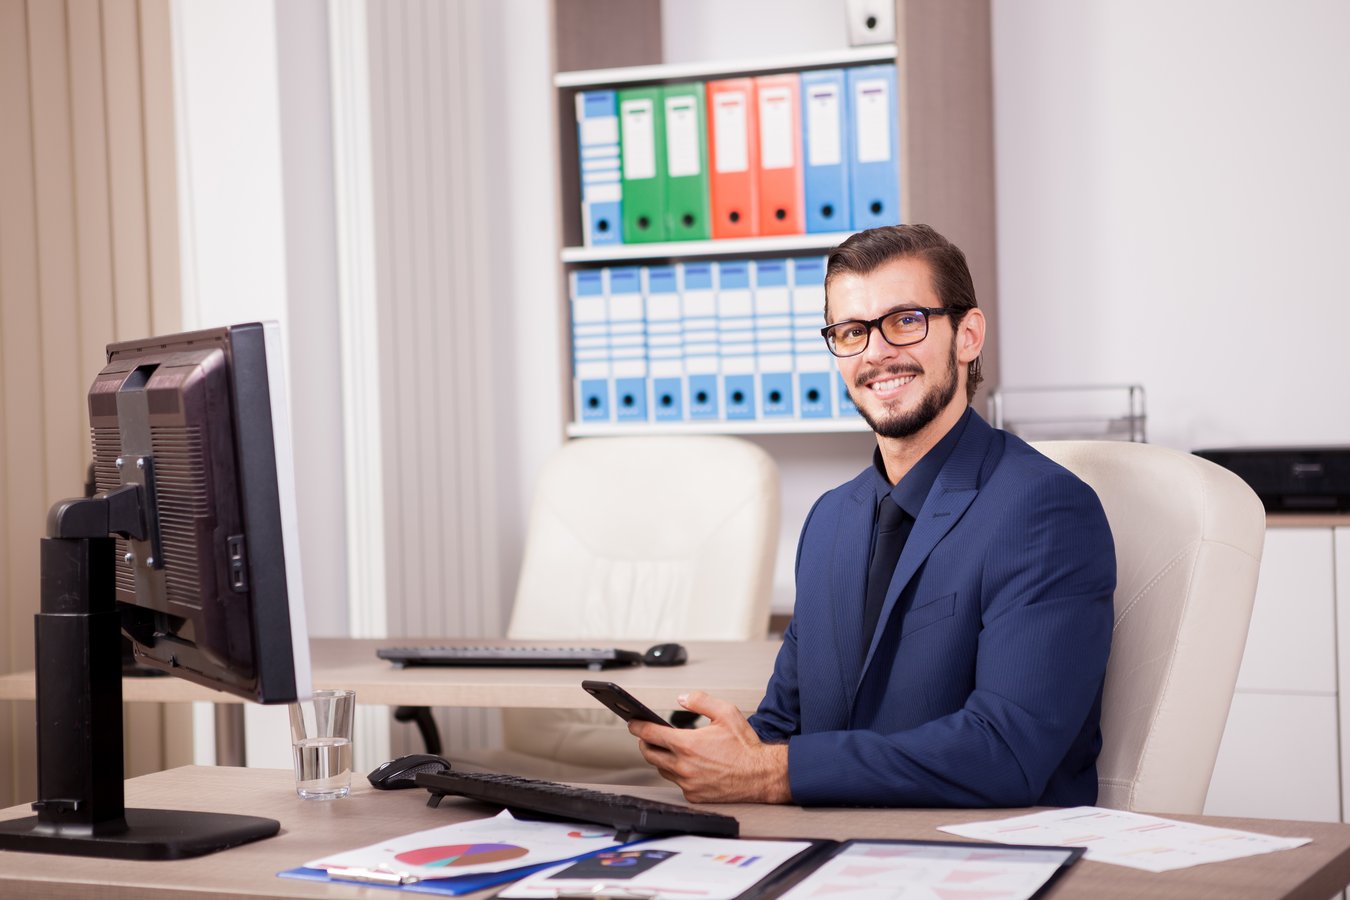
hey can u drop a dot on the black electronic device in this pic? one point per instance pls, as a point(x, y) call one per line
point(402, 772)
point(1291, 479)
point(515, 655)
point(621, 703)
point(623, 812)
point(665, 655)
point(188, 547)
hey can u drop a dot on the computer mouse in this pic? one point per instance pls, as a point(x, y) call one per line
point(399, 773)
point(665, 655)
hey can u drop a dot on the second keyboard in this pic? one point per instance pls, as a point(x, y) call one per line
point(593, 658)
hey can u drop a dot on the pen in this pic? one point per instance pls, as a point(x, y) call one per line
point(377, 875)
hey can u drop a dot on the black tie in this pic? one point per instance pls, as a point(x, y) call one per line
point(891, 535)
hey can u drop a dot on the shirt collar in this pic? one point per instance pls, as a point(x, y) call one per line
point(913, 489)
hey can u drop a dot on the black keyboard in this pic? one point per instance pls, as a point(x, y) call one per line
point(594, 658)
point(624, 813)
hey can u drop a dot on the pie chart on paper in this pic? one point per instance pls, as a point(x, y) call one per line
point(461, 855)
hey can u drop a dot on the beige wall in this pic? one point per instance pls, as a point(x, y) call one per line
point(88, 254)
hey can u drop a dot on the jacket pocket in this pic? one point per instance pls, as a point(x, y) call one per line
point(931, 611)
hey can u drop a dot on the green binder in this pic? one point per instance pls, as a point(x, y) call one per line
point(642, 138)
point(687, 212)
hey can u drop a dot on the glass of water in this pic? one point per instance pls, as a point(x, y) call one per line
point(321, 740)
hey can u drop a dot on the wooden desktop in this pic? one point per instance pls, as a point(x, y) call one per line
point(311, 829)
point(734, 670)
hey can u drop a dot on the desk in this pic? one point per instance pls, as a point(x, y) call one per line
point(311, 829)
point(733, 670)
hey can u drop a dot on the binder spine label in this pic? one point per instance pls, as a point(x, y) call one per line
point(775, 129)
point(872, 101)
point(639, 142)
point(822, 126)
point(733, 154)
point(682, 143)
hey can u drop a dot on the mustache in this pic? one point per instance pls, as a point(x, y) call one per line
point(876, 372)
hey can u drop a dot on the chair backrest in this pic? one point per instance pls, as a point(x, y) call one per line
point(639, 538)
point(1188, 538)
point(650, 538)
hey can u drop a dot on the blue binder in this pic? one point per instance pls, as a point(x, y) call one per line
point(702, 358)
point(736, 339)
point(598, 152)
point(627, 344)
point(825, 151)
point(665, 350)
point(874, 130)
point(812, 362)
point(590, 347)
point(847, 408)
point(773, 338)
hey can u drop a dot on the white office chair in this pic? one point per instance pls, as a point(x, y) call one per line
point(646, 539)
point(1188, 537)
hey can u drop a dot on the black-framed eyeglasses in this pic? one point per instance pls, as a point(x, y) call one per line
point(900, 328)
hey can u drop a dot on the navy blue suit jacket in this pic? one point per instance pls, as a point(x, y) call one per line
point(982, 684)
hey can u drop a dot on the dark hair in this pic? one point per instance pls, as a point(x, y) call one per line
point(869, 250)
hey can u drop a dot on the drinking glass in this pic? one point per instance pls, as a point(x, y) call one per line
point(321, 740)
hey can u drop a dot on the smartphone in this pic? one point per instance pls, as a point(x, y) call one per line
point(624, 704)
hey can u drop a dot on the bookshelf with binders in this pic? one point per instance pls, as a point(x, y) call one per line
point(698, 201)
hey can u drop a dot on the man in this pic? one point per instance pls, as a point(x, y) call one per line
point(953, 614)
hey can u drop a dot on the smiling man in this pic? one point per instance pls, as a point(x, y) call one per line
point(953, 614)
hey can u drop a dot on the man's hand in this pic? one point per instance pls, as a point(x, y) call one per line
point(723, 762)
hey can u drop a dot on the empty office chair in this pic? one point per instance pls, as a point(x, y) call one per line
point(637, 539)
point(1188, 537)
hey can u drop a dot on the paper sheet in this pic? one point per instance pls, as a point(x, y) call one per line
point(470, 848)
point(1127, 839)
point(699, 868)
point(880, 871)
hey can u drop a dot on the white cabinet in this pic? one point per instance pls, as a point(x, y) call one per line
point(1284, 748)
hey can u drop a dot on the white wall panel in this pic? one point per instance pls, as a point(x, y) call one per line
point(1171, 209)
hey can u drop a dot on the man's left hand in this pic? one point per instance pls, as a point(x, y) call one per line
point(723, 762)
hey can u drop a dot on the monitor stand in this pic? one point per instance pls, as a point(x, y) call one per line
point(79, 719)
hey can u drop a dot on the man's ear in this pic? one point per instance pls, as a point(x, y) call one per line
point(970, 336)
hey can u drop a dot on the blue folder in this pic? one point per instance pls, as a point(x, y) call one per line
point(627, 343)
point(825, 151)
point(773, 338)
point(812, 362)
point(446, 887)
point(736, 339)
point(598, 152)
point(702, 360)
point(665, 339)
point(590, 347)
point(874, 129)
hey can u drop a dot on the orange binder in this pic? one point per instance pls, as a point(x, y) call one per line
point(733, 154)
point(782, 198)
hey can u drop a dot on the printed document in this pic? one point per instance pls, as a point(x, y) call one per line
point(1126, 838)
point(497, 844)
point(688, 866)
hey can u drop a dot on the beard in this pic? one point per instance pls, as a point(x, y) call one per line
point(931, 404)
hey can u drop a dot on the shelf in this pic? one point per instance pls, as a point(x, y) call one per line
point(727, 247)
point(682, 71)
point(720, 426)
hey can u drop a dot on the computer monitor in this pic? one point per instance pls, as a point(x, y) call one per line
point(189, 549)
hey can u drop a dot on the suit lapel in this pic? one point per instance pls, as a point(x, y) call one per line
point(955, 489)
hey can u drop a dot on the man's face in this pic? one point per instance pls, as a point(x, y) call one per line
point(898, 390)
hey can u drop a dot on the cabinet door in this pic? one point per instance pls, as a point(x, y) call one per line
point(1291, 645)
point(1278, 760)
point(1280, 755)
